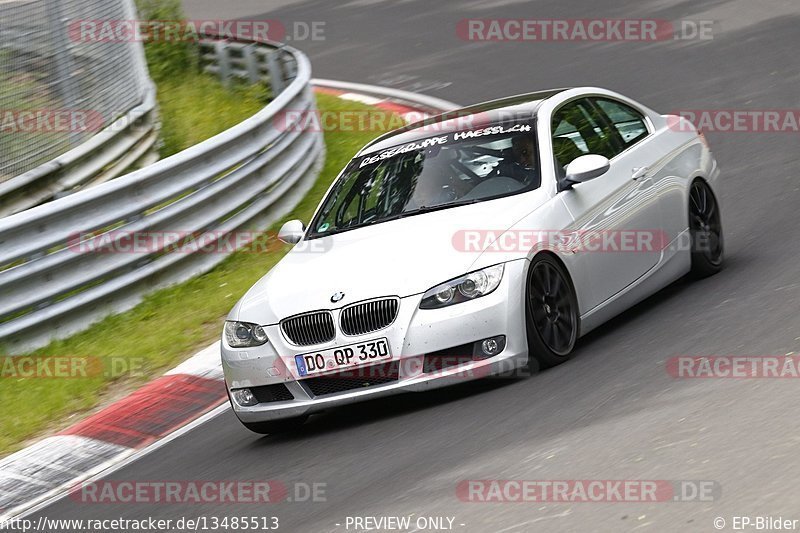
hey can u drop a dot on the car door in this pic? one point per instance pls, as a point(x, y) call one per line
point(617, 220)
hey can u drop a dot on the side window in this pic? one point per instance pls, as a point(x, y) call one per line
point(578, 130)
point(628, 122)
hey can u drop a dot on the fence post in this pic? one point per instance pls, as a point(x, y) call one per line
point(142, 73)
point(63, 64)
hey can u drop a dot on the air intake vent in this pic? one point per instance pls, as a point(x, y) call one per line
point(367, 317)
point(272, 393)
point(309, 329)
point(354, 379)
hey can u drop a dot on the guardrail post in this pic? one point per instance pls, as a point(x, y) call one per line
point(290, 67)
point(275, 71)
point(221, 49)
point(251, 62)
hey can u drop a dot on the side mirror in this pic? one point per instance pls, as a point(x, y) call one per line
point(585, 168)
point(292, 232)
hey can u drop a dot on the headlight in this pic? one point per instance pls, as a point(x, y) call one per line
point(244, 334)
point(467, 287)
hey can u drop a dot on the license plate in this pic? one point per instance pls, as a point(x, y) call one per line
point(342, 357)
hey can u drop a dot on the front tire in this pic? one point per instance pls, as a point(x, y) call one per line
point(705, 228)
point(551, 312)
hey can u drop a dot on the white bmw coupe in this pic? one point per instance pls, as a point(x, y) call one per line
point(471, 244)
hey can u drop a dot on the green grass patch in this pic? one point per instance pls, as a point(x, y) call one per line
point(167, 58)
point(194, 107)
point(164, 329)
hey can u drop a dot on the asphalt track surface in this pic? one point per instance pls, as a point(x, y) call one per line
point(613, 411)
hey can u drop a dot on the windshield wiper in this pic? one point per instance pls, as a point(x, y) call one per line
point(431, 208)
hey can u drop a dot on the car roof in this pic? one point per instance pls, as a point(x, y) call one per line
point(521, 106)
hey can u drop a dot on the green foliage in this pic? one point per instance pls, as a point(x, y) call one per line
point(167, 58)
point(196, 106)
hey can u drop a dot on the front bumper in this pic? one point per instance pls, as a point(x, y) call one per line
point(411, 336)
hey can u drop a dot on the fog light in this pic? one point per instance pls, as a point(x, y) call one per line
point(490, 347)
point(244, 397)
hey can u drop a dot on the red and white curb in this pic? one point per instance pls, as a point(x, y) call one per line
point(411, 106)
point(55, 464)
point(165, 408)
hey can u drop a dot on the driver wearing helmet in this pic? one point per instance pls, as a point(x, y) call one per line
point(521, 164)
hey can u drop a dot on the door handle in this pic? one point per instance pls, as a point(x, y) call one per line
point(640, 173)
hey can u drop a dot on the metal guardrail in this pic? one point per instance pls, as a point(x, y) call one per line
point(247, 61)
point(244, 178)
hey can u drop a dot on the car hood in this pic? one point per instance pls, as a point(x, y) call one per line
point(396, 258)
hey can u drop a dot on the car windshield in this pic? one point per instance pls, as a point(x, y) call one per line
point(431, 174)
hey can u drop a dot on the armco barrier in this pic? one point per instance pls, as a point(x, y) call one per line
point(245, 177)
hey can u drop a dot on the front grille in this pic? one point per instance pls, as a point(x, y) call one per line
point(357, 378)
point(272, 393)
point(308, 329)
point(367, 317)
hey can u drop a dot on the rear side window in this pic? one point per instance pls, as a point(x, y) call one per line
point(628, 122)
point(579, 129)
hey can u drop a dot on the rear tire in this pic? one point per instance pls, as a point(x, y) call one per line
point(551, 313)
point(275, 427)
point(705, 228)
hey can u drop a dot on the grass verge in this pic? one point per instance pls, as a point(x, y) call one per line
point(164, 329)
point(194, 107)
